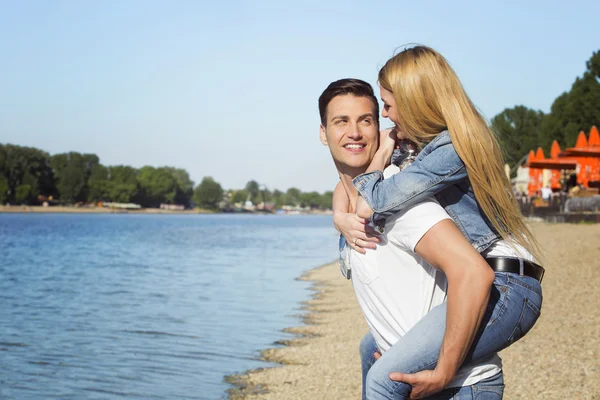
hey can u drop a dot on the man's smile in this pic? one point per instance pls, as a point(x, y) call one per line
point(355, 147)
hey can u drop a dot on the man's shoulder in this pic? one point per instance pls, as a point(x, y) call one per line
point(406, 228)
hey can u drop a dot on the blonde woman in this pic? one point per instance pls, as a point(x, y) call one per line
point(460, 165)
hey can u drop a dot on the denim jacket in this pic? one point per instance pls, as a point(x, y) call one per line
point(443, 175)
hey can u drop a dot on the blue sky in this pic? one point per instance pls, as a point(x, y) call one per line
point(229, 89)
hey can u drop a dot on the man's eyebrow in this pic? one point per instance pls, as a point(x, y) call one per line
point(368, 115)
point(339, 117)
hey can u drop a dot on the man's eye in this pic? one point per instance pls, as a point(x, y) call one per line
point(367, 121)
point(340, 121)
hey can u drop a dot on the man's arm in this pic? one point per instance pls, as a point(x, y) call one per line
point(340, 201)
point(469, 282)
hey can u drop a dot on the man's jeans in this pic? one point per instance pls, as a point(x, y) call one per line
point(513, 309)
point(491, 388)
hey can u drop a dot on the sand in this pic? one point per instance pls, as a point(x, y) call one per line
point(558, 359)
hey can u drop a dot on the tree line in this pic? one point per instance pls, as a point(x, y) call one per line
point(520, 129)
point(31, 176)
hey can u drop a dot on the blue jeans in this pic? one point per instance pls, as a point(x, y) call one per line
point(514, 307)
point(487, 389)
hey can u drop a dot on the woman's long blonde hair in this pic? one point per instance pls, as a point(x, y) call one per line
point(430, 99)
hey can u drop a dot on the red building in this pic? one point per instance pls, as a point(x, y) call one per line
point(583, 159)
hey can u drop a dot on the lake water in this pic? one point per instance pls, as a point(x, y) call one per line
point(106, 306)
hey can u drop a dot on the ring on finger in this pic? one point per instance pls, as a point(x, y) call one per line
point(355, 240)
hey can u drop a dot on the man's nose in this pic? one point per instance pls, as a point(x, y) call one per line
point(354, 132)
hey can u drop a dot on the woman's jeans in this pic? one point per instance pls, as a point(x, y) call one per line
point(514, 307)
point(491, 388)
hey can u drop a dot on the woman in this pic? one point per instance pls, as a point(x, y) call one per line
point(460, 164)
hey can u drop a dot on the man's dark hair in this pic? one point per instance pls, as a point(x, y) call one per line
point(355, 87)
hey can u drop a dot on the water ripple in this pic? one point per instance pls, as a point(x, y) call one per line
point(139, 306)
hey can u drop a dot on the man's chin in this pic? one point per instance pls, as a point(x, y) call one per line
point(353, 167)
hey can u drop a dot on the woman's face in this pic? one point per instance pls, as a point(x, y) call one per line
point(389, 109)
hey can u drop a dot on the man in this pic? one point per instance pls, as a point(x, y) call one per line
point(394, 284)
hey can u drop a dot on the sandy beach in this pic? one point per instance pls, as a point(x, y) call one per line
point(558, 359)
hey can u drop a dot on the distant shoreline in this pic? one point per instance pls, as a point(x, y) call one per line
point(104, 210)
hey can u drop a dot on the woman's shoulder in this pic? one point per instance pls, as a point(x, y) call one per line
point(442, 142)
point(442, 152)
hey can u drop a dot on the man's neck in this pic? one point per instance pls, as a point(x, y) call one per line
point(346, 176)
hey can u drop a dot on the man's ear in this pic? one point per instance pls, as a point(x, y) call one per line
point(323, 135)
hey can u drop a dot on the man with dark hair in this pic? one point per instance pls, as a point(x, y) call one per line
point(350, 124)
point(355, 87)
point(394, 287)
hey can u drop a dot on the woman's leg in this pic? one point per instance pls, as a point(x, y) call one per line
point(487, 389)
point(513, 309)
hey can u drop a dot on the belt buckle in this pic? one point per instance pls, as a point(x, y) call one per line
point(543, 272)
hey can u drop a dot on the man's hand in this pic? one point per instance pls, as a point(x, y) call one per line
point(424, 383)
point(356, 231)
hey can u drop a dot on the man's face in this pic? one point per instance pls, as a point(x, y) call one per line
point(352, 132)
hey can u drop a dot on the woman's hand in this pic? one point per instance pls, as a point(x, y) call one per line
point(388, 139)
point(358, 234)
point(383, 155)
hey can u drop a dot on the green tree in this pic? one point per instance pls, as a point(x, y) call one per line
point(26, 166)
point(292, 196)
point(266, 195)
point(327, 201)
point(310, 199)
point(157, 186)
point(123, 184)
point(3, 190)
point(253, 189)
point(518, 130)
point(239, 196)
point(98, 184)
point(72, 172)
point(577, 109)
point(278, 198)
point(185, 186)
point(23, 194)
point(208, 194)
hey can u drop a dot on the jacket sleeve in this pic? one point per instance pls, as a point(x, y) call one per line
point(432, 171)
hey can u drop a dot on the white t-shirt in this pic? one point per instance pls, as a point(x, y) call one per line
point(396, 288)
